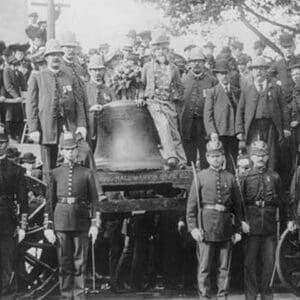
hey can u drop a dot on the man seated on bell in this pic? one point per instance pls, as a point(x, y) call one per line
point(163, 92)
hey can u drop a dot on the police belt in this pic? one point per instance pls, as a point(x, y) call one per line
point(71, 200)
point(262, 204)
point(218, 207)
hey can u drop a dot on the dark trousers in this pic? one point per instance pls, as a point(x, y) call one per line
point(72, 257)
point(7, 256)
point(49, 158)
point(265, 130)
point(259, 252)
point(197, 142)
point(230, 144)
point(133, 261)
point(212, 255)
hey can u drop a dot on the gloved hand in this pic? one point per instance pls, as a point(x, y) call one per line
point(82, 131)
point(96, 107)
point(50, 236)
point(245, 227)
point(21, 235)
point(197, 235)
point(35, 136)
point(93, 233)
point(236, 238)
point(291, 226)
point(180, 227)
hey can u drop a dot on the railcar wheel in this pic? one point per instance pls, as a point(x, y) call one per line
point(288, 260)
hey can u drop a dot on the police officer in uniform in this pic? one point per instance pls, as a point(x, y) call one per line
point(213, 198)
point(13, 199)
point(71, 201)
point(262, 193)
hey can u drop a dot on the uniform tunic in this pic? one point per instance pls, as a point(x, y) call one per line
point(262, 194)
point(71, 222)
point(215, 187)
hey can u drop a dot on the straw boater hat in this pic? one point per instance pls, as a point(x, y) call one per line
point(259, 62)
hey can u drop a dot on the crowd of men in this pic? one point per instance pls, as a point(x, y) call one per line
point(230, 115)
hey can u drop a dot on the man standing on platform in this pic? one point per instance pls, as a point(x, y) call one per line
point(71, 212)
point(51, 106)
point(195, 83)
point(219, 113)
point(262, 112)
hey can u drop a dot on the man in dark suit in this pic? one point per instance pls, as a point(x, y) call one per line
point(71, 212)
point(262, 112)
point(51, 106)
point(219, 113)
point(13, 194)
point(195, 83)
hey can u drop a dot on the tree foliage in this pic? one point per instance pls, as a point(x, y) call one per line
point(184, 13)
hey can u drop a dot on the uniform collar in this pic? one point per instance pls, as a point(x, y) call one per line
point(215, 169)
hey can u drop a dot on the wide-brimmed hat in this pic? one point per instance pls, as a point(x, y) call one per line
point(209, 45)
point(286, 40)
point(243, 59)
point(53, 46)
point(237, 45)
point(29, 158)
point(12, 60)
point(96, 62)
point(68, 39)
point(189, 47)
point(221, 67)
point(19, 47)
point(159, 38)
point(259, 62)
point(196, 54)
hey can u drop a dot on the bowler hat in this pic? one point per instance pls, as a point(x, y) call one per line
point(221, 66)
point(286, 40)
point(259, 62)
point(67, 140)
point(209, 45)
point(28, 157)
point(214, 147)
point(68, 39)
point(96, 62)
point(243, 59)
point(3, 133)
point(53, 46)
point(196, 54)
point(259, 148)
point(159, 38)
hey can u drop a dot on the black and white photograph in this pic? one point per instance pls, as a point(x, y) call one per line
point(149, 149)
